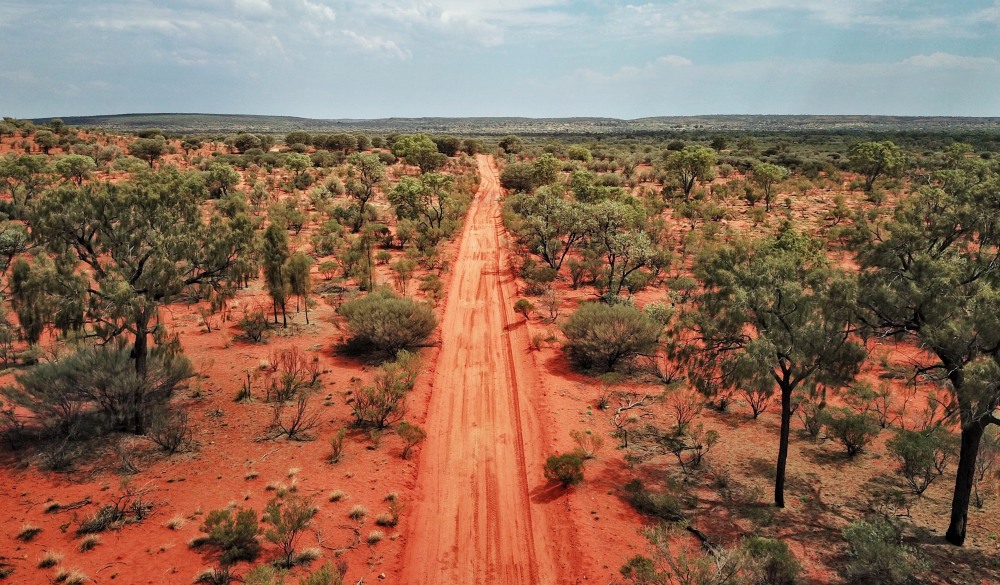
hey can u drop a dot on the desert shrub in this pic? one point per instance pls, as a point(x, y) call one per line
point(989, 454)
point(877, 555)
point(291, 373)
point(777, 564)
point(216, 576)
point(525, 307)
point(588, 443)
point(325, 575)
point(296, 424)
point(601, 336)
point(171, 431)
point(28, 532)
point(254, 324)
point(641, 570)
point(337, 444)
point(382, 403)
point(263, 575)
point(234, 533)
point(854, 431)
point(287, 518)
point(813, 417)
point(102, 379)
point(411, 435)
point(922, 455)
point(386, 322)
point(567, 469)
point(663, 505)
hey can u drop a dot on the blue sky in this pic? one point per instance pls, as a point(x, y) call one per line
point(539, 58)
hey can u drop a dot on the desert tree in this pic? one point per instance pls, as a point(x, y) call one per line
point(75, 167)
point(511, 144)
point(298, 164)
point(46, 140)
point(425, 199)
point(275, 253)
point(548, 224)
point(149, 149)
point(300, 278)
point(366, 172)
point(873, 159)
point(690, 165)
point(419, 150)
point(221, 179)
point(24, 177)
point(772, 313)
point(144, 242)
point(931, 275)
point(765, 176)
point(617, 232)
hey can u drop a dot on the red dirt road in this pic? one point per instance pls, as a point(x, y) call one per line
point(473, 519)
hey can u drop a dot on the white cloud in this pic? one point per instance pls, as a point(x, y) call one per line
point(656, 69)
point(319, 10)
point(254, 7)
point(370, 44)
point(675, 60)
point(949, 61)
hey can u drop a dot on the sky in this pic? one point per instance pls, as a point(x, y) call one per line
point(535, 58)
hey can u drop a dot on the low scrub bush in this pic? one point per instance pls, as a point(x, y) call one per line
point(854, 431)
point(776, 563)
point(877, 555)
point(567, 469)
point(663, 505)
point(234, 532)
point(386, 322)
point(600, 336)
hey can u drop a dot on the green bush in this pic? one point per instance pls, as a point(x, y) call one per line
point(602, 336)
point(567, 469)
point(662, 505)
point(234, 532)
point(385, 322)
point(778, 566)
point(877, 556)
point(641, 570)
point(853, 431)
point(922, 455)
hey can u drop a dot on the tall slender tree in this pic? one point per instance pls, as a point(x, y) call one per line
point(772, 314)
point(931, 275)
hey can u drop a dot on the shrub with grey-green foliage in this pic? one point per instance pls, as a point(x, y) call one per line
point(600, 336)
point(922, 455)
point(101, 379)
point(386, 322)
point(775, 562)
point(854, 431)
point(877, 555)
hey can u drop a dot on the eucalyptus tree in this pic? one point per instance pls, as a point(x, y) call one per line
point(136, 246)
point(690, 165)
point(366, 172)
point(874, 159)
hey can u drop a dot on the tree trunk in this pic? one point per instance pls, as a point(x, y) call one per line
point(140, 353)
point(786, 424)
point(964, 479)
point(305, 302)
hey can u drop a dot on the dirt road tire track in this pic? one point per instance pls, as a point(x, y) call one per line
point(473, 520)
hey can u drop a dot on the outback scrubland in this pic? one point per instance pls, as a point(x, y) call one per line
point(684, 356)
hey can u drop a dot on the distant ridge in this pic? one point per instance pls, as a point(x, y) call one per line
point(229, 123)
